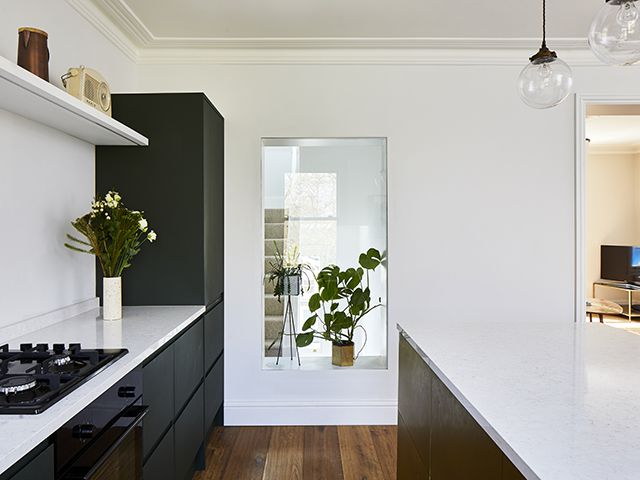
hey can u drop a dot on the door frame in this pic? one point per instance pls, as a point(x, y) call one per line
point(581, 103)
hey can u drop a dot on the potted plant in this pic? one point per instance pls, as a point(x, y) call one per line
point(343, 300)
point(114, 234)
point(286, 273)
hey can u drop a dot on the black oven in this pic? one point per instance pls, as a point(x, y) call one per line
point(104, 441)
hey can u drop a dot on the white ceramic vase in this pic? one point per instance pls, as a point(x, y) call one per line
point(112, 298)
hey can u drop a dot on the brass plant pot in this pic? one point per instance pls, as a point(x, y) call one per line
point(342, 354)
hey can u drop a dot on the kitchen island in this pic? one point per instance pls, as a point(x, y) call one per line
point(551, 401)
point(145, 332)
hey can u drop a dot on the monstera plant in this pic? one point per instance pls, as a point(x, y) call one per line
point(342, 301)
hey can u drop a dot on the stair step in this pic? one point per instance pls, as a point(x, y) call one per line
point(271, 245)
point(273, 307)
point(274, 215)
point(275, 231)
point(272, 327)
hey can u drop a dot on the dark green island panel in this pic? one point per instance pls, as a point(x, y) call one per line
point(438, 439)
point(36, 465)
point(178, 180)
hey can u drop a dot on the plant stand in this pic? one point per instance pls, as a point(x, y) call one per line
point(288, 321)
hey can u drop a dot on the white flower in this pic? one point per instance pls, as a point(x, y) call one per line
point(143, 224)
point(108, 197)
point(151, 236)
point(116, 196)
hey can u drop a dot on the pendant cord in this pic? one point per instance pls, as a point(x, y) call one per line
point(544, 23)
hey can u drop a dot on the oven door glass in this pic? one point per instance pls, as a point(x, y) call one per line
point(116, 454)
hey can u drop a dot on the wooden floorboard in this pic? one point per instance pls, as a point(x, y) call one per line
point(359, 458)
point(385, 442)
point(284, 458)
point(301, 453)
point(322, 459)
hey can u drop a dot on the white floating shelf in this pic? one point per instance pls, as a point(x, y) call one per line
point(25, 94)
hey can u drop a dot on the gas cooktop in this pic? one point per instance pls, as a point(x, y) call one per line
point(35, 377)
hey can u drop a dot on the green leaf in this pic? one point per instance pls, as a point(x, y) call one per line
point(314, 302)
point(334, 306)
point(341, 323)
point(368, 263)
point(304, 339)
point(374, 254)
point(329, 292)
point(310, 322)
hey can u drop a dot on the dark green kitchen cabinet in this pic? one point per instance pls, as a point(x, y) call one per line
point(410, 463)
point(178, 181)
point(157, 388)
point(37, 465)
point(454, 433)
point(214, 394)
point(213, 335)
point(188, 364)
point(161, 462)
point(189, 435)
point(438, 439)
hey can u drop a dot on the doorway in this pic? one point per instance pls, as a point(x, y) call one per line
point(608, 211)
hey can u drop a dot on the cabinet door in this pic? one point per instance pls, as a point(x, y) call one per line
point(214, 393)
point(460, 448)
point(213, 151)
point(213, 335)
point(509, 470)
point(414, 398)
point(189, 434)
point(188, 360)
point(40, 468)
point(410, 465)
point(161, 462)
point(157, 377)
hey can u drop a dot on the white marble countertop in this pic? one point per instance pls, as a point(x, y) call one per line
point(562, 400)
point(143, 330)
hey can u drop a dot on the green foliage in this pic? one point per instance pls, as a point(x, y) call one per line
point(114, 234)
point(343, 299)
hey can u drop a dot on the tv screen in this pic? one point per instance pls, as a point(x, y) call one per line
point(635, 257)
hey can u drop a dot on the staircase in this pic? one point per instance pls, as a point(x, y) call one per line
point(275, 230)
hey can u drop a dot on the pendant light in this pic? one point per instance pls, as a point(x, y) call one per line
point(546, 81)
point(614, 35)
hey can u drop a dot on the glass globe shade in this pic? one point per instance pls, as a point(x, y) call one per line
point(614, 36)
point(545, 82)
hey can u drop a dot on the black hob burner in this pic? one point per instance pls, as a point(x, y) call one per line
point(35, 377)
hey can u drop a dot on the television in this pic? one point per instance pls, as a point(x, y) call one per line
point(620, 263)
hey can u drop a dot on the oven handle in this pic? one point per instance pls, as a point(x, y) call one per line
point(136, 413)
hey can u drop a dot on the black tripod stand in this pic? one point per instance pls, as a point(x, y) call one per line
point(290, 321)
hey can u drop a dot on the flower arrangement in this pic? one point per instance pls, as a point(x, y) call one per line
point(114, 234)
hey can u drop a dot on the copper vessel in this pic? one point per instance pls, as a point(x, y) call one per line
point(33, 52)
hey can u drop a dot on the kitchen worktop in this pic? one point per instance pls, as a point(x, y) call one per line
point(562, 400)
point(143, 330)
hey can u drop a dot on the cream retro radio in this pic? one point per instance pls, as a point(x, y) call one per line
point(89, 86)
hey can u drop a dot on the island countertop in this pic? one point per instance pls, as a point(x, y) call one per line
point(562, 400)
point(143, 330)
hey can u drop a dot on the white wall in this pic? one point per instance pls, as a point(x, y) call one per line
point(612, 210)
point(481, 211)
point(47, 177)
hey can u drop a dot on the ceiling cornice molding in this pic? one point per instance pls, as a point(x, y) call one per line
point(123, 27)
point(343, 56)
point(111, 30)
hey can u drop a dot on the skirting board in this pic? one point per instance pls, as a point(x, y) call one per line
point(271, 413)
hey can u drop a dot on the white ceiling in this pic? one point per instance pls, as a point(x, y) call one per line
point(360, 18)
point(614, 132)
